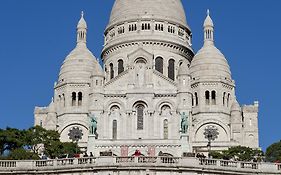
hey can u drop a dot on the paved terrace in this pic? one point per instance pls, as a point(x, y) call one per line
point(158, 165)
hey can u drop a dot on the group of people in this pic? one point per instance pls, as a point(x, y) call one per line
point(86, 155)
point(200, 156)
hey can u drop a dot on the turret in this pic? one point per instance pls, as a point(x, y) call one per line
point(236, 121)
point(210, 71)
point(184, 91)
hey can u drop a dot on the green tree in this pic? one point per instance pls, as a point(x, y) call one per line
point(239, 153)
point(35, 137)
point(273, 152)
point(70, 148)
point(25, 144)
point(22, 154)
point(13, 138)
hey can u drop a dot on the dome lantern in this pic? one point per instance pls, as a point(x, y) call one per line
point(208, 29)
point(82, 30)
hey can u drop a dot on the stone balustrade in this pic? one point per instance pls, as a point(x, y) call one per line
point(8, 166)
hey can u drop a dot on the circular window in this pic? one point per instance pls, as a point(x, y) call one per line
point(75, 134)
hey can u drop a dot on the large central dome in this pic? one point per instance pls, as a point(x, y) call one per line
point(170, 10)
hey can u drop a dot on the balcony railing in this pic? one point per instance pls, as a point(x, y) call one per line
point(92, 162)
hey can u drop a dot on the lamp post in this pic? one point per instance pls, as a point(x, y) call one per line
point(211, 133)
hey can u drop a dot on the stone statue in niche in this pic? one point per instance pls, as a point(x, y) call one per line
point(184, 123)
point(93, 125)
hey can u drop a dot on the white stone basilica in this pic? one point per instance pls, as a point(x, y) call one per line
point(153, 95)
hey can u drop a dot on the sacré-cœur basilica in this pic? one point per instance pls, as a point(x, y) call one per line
point(153, 95)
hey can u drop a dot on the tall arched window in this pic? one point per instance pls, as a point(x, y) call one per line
point(63, 100)
point(159, 64)
point(223, 99)
point(207, 97)
point(165, 129)
point(111, 71)
point(213, 97)
point(140, 114)
point(80, 98)
point(59, 100)
point(120, 66)
point(228, 99)
point(192, 100)
point(171, 69)
point(73, 97)
point(114, 129)
point(196, 99)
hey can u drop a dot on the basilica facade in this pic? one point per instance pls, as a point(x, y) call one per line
point(152, 95)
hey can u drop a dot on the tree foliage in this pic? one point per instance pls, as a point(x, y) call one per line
point(22, 154)
point(239, 153)
point(273, 152)
point(27, 144)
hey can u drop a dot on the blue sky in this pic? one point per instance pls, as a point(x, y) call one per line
point(37, 35)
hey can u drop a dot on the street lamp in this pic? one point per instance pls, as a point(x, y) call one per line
point(211, 134)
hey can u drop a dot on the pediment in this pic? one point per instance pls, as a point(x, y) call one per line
point(140, 53)
point(161, 82)
point(154, 81)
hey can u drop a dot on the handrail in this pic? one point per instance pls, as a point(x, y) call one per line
point(137, 160)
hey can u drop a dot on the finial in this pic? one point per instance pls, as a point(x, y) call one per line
point(82, 14)
point(208, 12)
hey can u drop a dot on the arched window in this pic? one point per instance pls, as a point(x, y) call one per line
point(165, 110)
point(196, 99)
point(165, 129)
point(207, 97)
point(111, 71)
point(120, 66)
point(171, 69)
point(213, 97)
point(63, 100)
point(192, 100)
point(114, 129)
point(140, 114)
point(73, 97)
point(59, 100)
point(223, 99)
point(80, 98)
point(228, 99)
point(159, 64)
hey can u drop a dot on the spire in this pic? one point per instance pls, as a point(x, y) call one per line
point(82, 30)
point(208, 30)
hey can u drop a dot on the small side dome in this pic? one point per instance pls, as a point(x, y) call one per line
point(235, 106)
point(80, 64)
point(209, 62)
